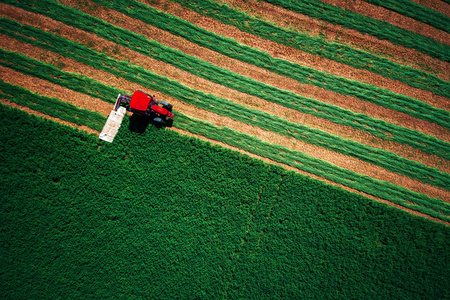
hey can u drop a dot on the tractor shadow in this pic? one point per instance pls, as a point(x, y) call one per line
point(140, 123)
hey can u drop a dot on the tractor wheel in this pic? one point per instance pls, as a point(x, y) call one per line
point(167, 105)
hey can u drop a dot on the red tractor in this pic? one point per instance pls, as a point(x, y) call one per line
point(145, 105)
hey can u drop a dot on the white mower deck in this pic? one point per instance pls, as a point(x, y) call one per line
point(112, 124)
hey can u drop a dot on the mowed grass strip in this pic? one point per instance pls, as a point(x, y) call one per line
point(426, 143)
point(416, 11)
point(318, 46)
point(221, 107)
point(366, 25)
point(51, 106)
point(54, 75)
point(231, 48)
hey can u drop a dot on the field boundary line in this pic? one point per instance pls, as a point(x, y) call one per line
point(266, 160)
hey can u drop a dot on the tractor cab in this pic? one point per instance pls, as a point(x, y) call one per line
point(143, 104)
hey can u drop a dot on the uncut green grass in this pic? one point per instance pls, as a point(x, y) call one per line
point(149, 217)
point(223, 107)
point(380, 128)
point(295, 234)
point(231, 48)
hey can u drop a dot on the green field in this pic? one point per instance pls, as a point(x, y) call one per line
point(141, 218)
point(161, 214)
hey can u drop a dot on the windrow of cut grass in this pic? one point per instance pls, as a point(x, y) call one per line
point(416, 11)
point(382, 158)
point(381, 189)
point(231, 48)
point(51, 106)
point(380, 29)
point(316, 45)
point(206, 70)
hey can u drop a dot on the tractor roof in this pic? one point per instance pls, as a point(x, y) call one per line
point(140, 101)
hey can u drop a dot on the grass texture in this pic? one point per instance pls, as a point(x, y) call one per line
point(416, 11)
point(142, 218)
